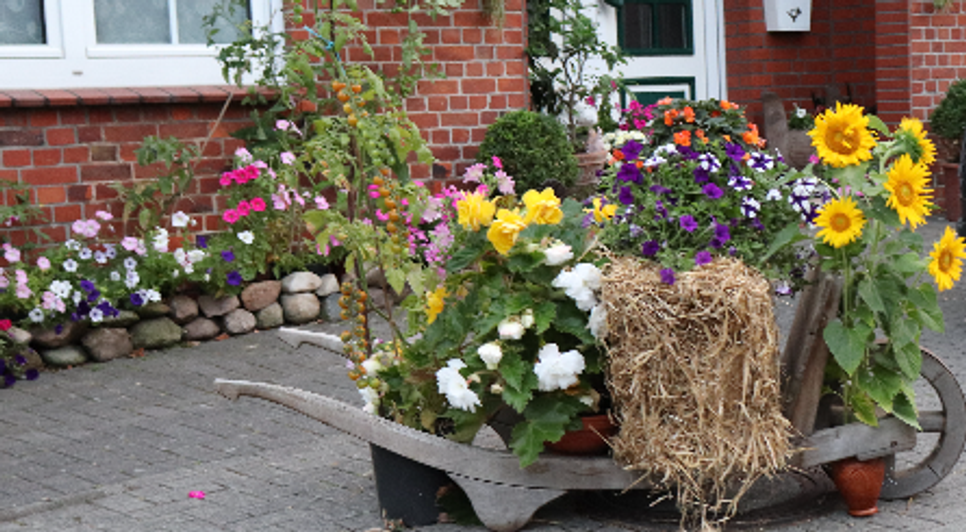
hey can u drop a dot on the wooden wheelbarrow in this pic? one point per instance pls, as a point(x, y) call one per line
point(505, 496)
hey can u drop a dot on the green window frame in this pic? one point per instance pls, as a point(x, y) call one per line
point(660, 21)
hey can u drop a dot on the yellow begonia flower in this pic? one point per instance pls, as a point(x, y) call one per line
point(602, 212)
point(842, 137)
point(504, 231)
point(474, 210)
point(947, 260)
point(910, 196)
point(841, 221)
point(435, 301)
point(542, 207)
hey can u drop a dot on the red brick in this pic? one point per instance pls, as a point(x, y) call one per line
point(152, 95)
point(60, 136)
point(15, 158)
point(453, 70)
point(79, 193)
point(478, 86)
point(182, 113)
point(44, 118)
point(183, 94)
point(88, 134)
point(504, 52)
point(451, 36)
point(129, 133)
point(128, 114)
point(184, 130)
point(121, 96)
point(437, 103)
point(8, 175)
point(414, 105)
point(59, 98)
point(479, 102)
point(26, 98)
point(460, 136)
point(103, 152)
point(454, 53)
point(73, 116)
point(67, 213)
point(511, 85)
point(494, 69)
point(49, 176)
point(48, 195)
point(48, 157)
point(92, 96)
point(472, 36)
point(459, 119)
point(440, 86)
point(102, 192)
point(473, 70)
point(21, 137)
point(425, 120)
point(440, 136)
point(459, 103)
point(105, 172)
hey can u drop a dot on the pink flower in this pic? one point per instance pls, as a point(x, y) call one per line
point(129, 243)
point(497, 163)
point(226, 179)
point(373, 191)
point(244, 155)
point(321, 203)
point(230, 216)
point(299, 200)
point(382, 217)
point(279, 203)
point(43, 263)
point(12, 254)
point(287, 157)
point(23, 291)
point(104, 215)
point(196, 495)
point(243, 209)
point(257, 204)
point(591, 101)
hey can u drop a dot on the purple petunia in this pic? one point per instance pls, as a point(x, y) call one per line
point(92, 297)
point(59, 328)
point(136, 299)
point(687, 223)
point(86, 285)
point(107, 309)
point(735, 152)
point(712, 191)
point(631, 150)
point(233, 278)
point(661, 211)
point(31, 374)
point(625, 196)
point(701, 175)
point(227, 255)
point(650, 248)
point(630, 173)
point(687, 153)
point(721, 231)
point(202, 241)
point(702, 257)
point(667, 276)
point(658, 189)
point(20, 359)
point(739, 182)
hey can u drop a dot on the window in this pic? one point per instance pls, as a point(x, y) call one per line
point(52, 44)
point(656, 27)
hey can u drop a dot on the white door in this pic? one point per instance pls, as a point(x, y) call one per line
point(674, 47)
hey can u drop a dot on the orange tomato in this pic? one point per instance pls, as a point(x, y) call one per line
point(357, 88)
point(338, 85)
point(343, 97)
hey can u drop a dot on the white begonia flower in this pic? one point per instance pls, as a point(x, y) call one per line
point(579, 284)
point(511, 328)
point(246, 236)
point(587, 400)
point(455, 388)
point(36, 315)
point(372, 366)
point(527, 319)
point(491, 354)
point(597, 322)
point(371, 399)
point(556, 370)
point(558, 254)
point(180, 219)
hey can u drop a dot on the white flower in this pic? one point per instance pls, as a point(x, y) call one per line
point(100, 257)
point(70, 265)
point(96, 315)
point(160, 241)
point(130, 263)
point(371, 399)
point(85, 253)
point(132, 279)
point(180, 219)
point(558, 254)
point(597, 322)
point(556, 370)
point(579, 284)
point(246, 236)
point(511, 328)
point(36, 315)
point(77, 297)
point(455, 387)
point(181, 256)
point(195, 255)
point(61, 289)
point(800, 113)
point(773, 195)
point(189, 268)
point(491, 354)
point(115, 276)
point(372, 366)
point(496, 388)
point(152, 295)
point(72, 245)
point(526, 319)
point(110, 250)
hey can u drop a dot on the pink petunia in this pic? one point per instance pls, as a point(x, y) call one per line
point(226, 179)
point(104, 215)
point(129, 243)
point(12, 254)
point(43, 263)
point(497, 162)
point(23, 291)
point(257, 204)
point(243, 208)
point(230, 216)
point(287, 157)
point(321, 203)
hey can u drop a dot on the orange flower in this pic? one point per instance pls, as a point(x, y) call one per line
point(639, 164)
point(665, 101)
point(715, 114)
point(669, 117)
point(726, 105)
point(689, 115)
point(726, 137)
point(618, 155)
point(700, 134)
point(683, 138)
point(751, 136)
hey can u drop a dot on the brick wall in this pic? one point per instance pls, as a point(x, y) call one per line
point(839, 50)
point(937, 53)
point(68, 146)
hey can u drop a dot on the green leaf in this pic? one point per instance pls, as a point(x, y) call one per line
point(928, 311)
point(548, 417)
point(908, 264)
point(847, 344)
point(870, 295)
point(572, 320)
point(789, 235)
point(543, 315)
point(144, 219)
point(863, 408)
point(524, 262)
point(396, 279)
point(415, 280)
point(472, 249)
point(909, 358)
point(881, 384)
point(904, 408)
point(877, 124)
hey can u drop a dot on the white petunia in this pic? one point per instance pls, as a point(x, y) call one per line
point(558, 254)
point(61, 289)
point(77, 297)
point(152, 295)
point(72, 244)
point(195, 255)
point(511, 328)
point(160, 241)
point(85, 253)
point(96, 315)
point(180, 219)
point(773, 195)
point(371, 399)
point(246, 236)
point(181, 256)
point(70, 265)
point(130, 263)
point(132, 279)
point(100, 257)
point(36, 315)
point(556, 370)
point(597, 322)
point(454, 386)
point(491, 354)
point(115, 276)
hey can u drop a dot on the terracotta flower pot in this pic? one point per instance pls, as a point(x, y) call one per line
point(589, 440)
point(860, 483)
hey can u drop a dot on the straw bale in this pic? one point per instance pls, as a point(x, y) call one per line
point(694, 375)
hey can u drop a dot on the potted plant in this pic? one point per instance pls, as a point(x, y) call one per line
point(948, 122)
point(881, 192)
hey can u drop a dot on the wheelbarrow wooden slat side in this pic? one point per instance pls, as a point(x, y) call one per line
point(855, 439)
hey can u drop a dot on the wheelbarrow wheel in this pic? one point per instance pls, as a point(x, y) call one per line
point(906, 477)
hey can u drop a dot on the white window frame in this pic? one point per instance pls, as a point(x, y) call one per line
point(73, 59)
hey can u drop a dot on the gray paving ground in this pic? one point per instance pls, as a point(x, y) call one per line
point(119, 446)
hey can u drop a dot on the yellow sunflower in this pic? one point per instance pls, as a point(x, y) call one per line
point(910, 196)
point(912, 137)
point(841, 221)
point(947, 259)
point(842, 137)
